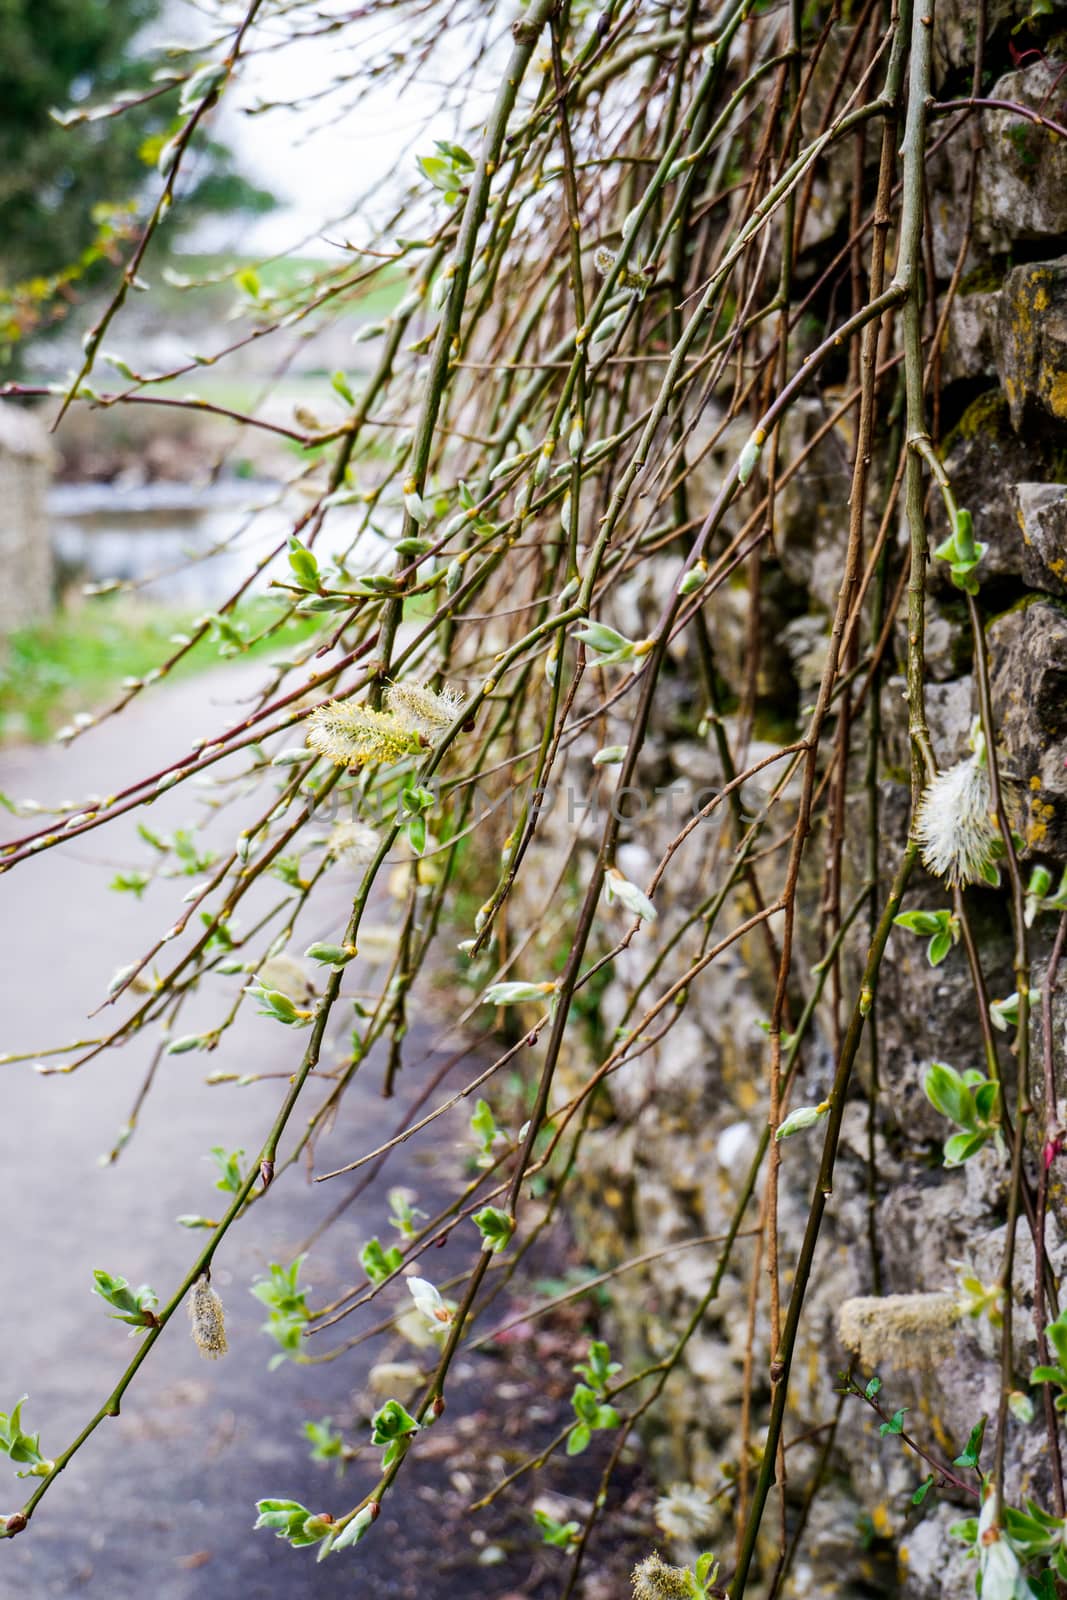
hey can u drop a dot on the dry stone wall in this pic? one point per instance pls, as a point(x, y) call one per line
point(676, 1130)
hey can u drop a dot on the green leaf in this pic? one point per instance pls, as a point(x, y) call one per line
point(333, 955)
point(578, 1439)
point(134, 883)
point(599, 1369)
point(803, 1117)
point(1056, 1334)
point(560, 1534)
point(895, 1423)
point(962, 1146)
point(947, 1093)
point(585, 1404)
point(327, 1443)
point(483, 1127)
point(938, 948)
point(248, 280)
point(707, 1569)
point(22, 1448)
point(379, 1263)
point(873, 1388)
point(922, 922)
point(392, 1423)
point(968, 1456)
point(230, 1178)
point(133, 1306)
point(987, 1102)
point(304, 565)
point(416, 831)
point(922, 1491)
point(495, 1227)
point(340, 386)
point(1055, 1375)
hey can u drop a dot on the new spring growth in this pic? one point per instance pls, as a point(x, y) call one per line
point(942, 928)
point(749, 457)
point(608, 646)
point(414, 504)
point(1038, 896)
point(962, 552)
point(22, 1448)
point(953, 824)
point(653, 1579)
point(694, 579)
point(207, 1319)
point(618, 888)
point(514, 994)
point(803, 1117)
point(352, 844)
point(637, 282)
point(970, 1101)
point(422, 709)
point(429, 1302)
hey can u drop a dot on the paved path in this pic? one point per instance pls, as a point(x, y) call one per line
point(160, 1501)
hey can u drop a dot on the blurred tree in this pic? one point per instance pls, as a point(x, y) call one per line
point(67, 194)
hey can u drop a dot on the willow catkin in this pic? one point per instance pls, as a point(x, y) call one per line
point(208, 1320)
point(653, 1579)
point(907, 1331)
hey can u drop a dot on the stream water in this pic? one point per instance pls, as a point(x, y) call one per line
point(181, 543)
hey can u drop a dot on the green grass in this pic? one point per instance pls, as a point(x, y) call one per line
point(77, 660)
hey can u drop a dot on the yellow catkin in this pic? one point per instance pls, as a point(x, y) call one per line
point(653, 1579)
point(208, 1320)
point(355, 735)
point(353, 844)
point(422, 709)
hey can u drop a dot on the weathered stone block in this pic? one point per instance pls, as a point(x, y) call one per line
point(1022, 175)
point(25, 547)
point(1028, 662)
point(985, 459)
point(1040, 510)
point(968, 346)
point(1031, 342)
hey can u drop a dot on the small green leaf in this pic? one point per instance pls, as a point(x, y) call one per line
point(340, 386)
point(962, 1146)
point(304, 565)
point(495, 1227)
point(895, 1423)
point(561, 1534)
point(971, 1451)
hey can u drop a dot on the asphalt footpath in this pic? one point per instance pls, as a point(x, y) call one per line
point(160, 1501)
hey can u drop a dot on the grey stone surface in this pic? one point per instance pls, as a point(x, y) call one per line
point(1041, 512)
point(25, 550)
point(1028, 659)
point(1022, 175)
point(1031, 346)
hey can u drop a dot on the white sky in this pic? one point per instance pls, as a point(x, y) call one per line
point(320, 155)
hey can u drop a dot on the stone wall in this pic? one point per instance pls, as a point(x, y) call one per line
point(674, 1137)
point(25, 548)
